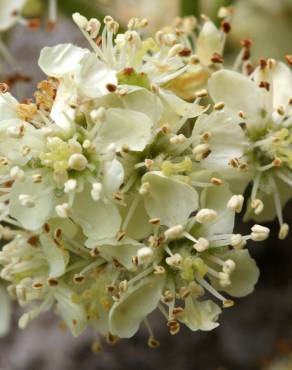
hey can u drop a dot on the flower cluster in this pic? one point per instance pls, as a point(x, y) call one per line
point(120, 182)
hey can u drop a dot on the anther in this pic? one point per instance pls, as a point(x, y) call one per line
point(37, 178)
point(237, 241)
point(206, 215)
point(159, 270)
point(235, 203)
point(80, 20)
point(216, 181)
point(154, 221)
point(219, 105)
point(257, 205)
point(259, 233)
point(283, 232)
point(173, 232)
point(120, 235)
point(289, 59)
point(144, 188)
point(26, 200)
point(145, 255)
point(201, 151)
point(201, 245)
point(217, 58)
point(201, 94)
point(174, 260)
point(153, 343)
point(63, 210)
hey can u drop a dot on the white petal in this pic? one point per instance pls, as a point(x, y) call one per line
point(62, 113)
point(245, 275)
point(138, 227)
point(216, 198)
point(7, 13)
point(168, 199)
point(237, 92)
point(93, 76)
point(282, 85)
point(97, 219)
point(57, 257)
point(5, 311)
point(180, 106)
point(125, 127)
point(209, 42)
point(113, 176)
point(200, 315)
point(8, 107)
point(56, 61)
point(73, 314)
point(227, 139)
point(139, 301)
point(142, 100)
point(42, 194)
point(122, 251)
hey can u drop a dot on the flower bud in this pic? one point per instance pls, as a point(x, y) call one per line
point(77, 162)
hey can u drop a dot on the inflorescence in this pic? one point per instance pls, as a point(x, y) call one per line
point(121, 180)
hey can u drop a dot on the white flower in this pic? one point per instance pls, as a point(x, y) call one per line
point(263, 101)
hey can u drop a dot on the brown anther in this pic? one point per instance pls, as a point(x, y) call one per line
point(46, 228)
point(165, 129)
point(271, 63)
point(37, 178)
point(216, 181)
point(78, 279)
point(277, 162)
point(96, 347)
point(225, 26)
point(118, 195)
point(154, 221)
point(185, 52)
point(52, 282)
point(3, 87)
point(128, 71)
point(206, 136)
point(217, 58)
point(242, 114)
point(120, 235)
point(219, 106)
point(249, 68)
point(264, 85)
point(290, 101)
point(123, 286)
point(58, 233)
point(111, 339)
point(234, 162)
point(281, 111)
point(51, 26)
point(174, 329)
point(116, 263)
point(246, 43)
point(125, 148)
point(184, 292)
point(246, 54)
point(263, 63)
point(243, 167)
point(74, 322)
point(167, 296)
point(289, 58)
point(110, 288)
point(94, 252)
point(3, 161)
point(34, 24)
point(33, 241)
point(135, 261)
point(153, 343)
point(37, 285)
point(111, 88)
point(177, 311)
point(158, 270)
